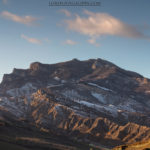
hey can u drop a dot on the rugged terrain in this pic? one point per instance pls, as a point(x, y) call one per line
point(84, 104)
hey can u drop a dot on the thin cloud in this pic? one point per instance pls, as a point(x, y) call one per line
point(47, 40)
point(99, 24)
point(70, 42)
point(5, 2)
point(93, 42)
point(66, 12)
point(27, 20)
point(31, 40)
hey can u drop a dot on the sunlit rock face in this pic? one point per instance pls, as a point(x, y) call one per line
point(142, 145)
point(92, 100)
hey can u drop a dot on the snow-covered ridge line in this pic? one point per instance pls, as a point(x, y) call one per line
point(103, 88)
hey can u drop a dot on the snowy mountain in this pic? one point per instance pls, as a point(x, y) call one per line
point(92, 101)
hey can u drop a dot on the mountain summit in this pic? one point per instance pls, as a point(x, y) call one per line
point(92, 102)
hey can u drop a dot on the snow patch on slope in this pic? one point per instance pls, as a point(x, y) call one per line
point(102, 108)
point(54, 85)
point(98, 96)
point(103, 88)
point(25, 90)
point(14, 107)
point(72, 94)
point(57, 78)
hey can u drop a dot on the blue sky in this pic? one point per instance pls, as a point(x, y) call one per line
point(118, 31)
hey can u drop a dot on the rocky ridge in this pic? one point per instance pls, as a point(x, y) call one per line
point(92, 101)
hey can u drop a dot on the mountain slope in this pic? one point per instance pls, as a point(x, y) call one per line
point(94, 102)
point(144, 145)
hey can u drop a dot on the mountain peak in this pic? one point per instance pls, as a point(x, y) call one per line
point(92, 70)
point(77, 98)
point(35, 66)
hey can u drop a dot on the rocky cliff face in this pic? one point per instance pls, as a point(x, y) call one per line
point(92, 101)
